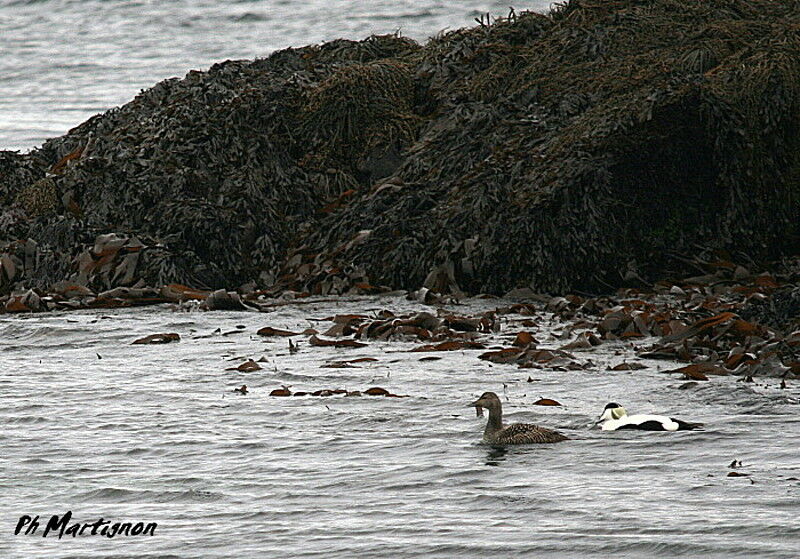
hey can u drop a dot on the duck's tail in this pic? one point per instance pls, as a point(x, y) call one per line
point(686, 426)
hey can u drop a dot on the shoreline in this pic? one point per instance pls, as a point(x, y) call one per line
point(715, 324)
point(483, 161)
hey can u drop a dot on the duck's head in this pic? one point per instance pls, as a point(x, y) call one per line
point(612, 411)
point(488, 400)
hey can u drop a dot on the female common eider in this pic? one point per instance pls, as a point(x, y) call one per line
point(614, 417)
point(518, 433)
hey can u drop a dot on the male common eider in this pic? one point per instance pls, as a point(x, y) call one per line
point(518, 433)
point(614, 417)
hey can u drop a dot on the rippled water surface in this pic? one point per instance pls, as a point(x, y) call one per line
point(62, 61)
point(93, 424)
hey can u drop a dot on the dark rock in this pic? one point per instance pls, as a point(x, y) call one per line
point(781, 310)
point(549, 151)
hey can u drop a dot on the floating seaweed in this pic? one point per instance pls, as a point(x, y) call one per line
point(327, 392)
point(269, 331)
point(158, 339)
point(317, 341)
point(546, 402)
point(248, 366)
point(453, 345)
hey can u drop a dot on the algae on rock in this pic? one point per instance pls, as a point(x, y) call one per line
point(559, 151)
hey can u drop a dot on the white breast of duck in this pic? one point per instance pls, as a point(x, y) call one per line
point(615, 417)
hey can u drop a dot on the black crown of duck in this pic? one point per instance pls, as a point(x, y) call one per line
point(518, 433)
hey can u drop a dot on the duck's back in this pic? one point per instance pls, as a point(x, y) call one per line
point(526, 433)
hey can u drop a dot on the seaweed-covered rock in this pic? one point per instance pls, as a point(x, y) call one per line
point(780, 311)
point(572, 150)
point(16, 172)
point(589, 141)
point(362, 114)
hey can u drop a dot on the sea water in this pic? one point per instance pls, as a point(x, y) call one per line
point(91, 424)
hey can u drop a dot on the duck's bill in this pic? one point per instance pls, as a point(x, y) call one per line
point(478, 408)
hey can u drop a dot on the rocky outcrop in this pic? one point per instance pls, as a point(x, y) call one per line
point(575, 150)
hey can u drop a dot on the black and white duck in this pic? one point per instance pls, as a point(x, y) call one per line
point(615, 417)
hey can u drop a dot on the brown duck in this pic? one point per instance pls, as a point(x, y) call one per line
point(518, 433)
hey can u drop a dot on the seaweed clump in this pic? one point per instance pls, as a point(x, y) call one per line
point(578, 149)
point(561, 151)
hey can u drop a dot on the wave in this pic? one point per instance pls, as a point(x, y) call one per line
point(119, 495)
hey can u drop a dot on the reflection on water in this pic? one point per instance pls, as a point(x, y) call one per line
point(496, 455)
